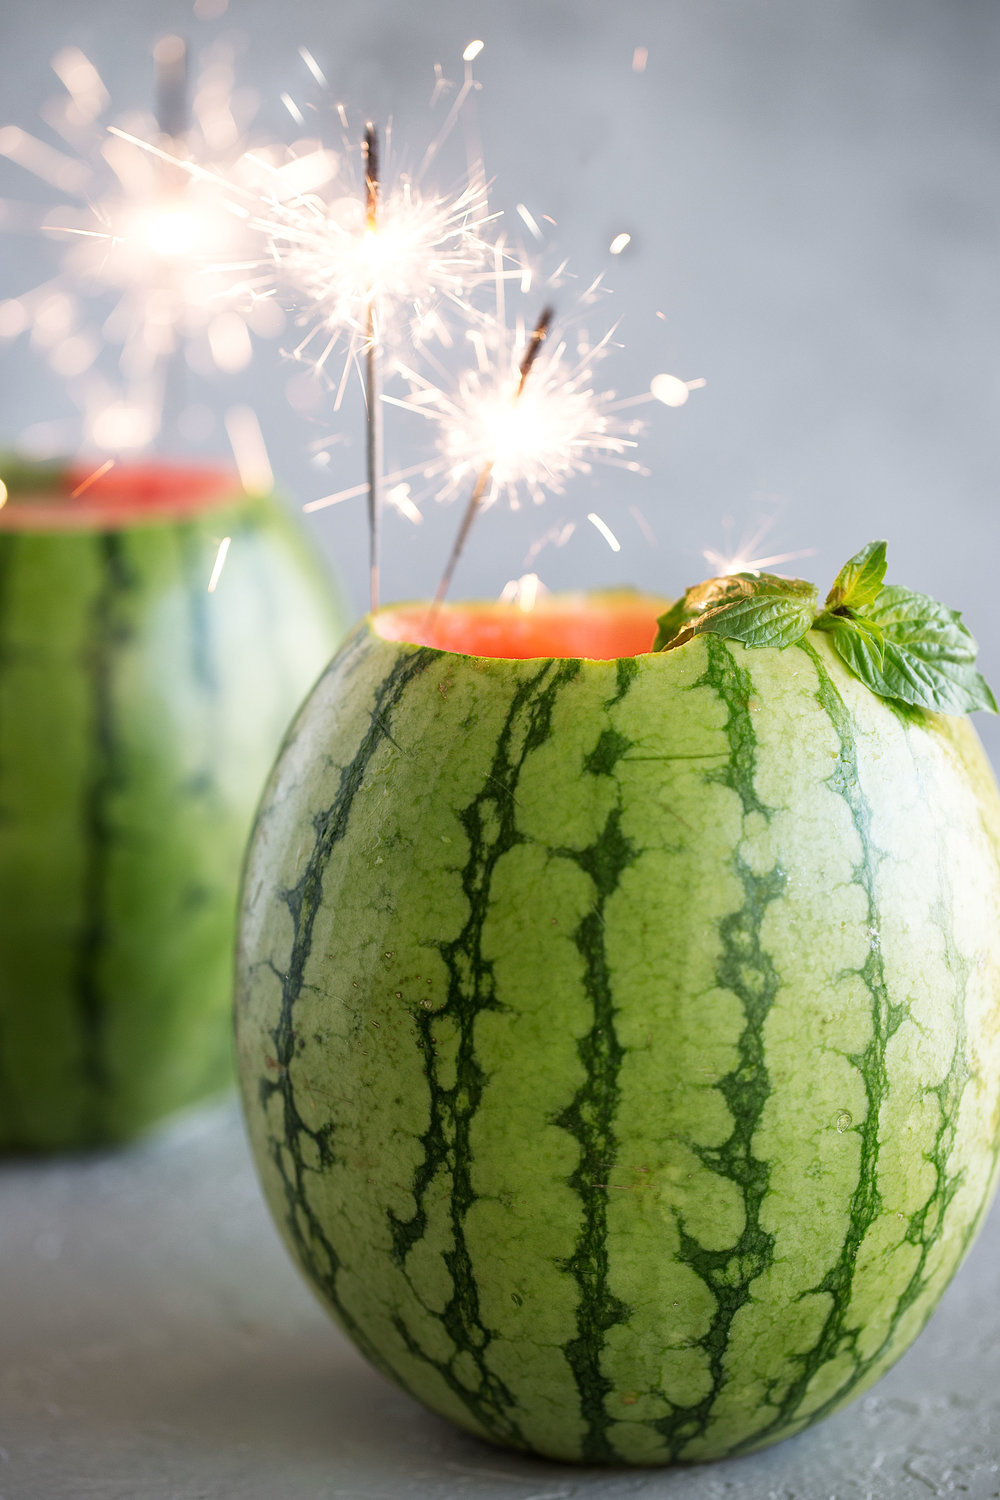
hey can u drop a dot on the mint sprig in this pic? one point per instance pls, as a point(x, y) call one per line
point(900, 644)
point(859, 580)
point(759, 609)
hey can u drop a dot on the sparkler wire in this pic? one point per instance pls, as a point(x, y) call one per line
point(372, 393)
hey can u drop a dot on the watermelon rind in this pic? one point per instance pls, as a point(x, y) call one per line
point(620, 1039)
point(139, 715)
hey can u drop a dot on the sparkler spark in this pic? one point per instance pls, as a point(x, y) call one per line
point(220, 563)
point(605, 531)
point(742, 560)
point(249, 450)
point(671, 390)
point(85, 484)
point(523, 591)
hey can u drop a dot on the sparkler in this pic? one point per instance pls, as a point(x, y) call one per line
point(372, 393)
point(504, 419)
point(512, 437)
point(337, 261)
point(150, 231)
point(378, 273)
point(384, 275)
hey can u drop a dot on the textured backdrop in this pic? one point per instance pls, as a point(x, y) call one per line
point(813, 194)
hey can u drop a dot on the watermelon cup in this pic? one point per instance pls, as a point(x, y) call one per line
point(139, 714)
point(619, 1030)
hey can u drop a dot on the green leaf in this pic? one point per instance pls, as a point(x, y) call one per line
point(859, 580)
point(902, 645)
point(760, 620)
point(670, 623)
point(928, 654)
point(851, 623)
point(696, 600)
point(759, 609)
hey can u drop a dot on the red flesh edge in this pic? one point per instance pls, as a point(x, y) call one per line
point(127, 495)
point(595, 626)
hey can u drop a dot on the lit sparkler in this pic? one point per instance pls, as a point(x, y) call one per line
point(376, 268)
point(506, 418)
point(372, 391)
point(557, 428)
point(355, 275)
point(514, 438)
point(150, 233)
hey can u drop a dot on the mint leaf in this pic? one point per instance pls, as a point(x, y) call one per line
point(760, 620)
point(902, 645)
point(670, 623)
point(928, 654)
point(852, 623)
point(759, 609)
point(859, 580)
point(696, 601)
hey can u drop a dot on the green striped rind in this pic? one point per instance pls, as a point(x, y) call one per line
point(138, 717)
point(620, 1041)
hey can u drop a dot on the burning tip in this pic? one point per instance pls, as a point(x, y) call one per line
point(472, 51)
point(620, 243)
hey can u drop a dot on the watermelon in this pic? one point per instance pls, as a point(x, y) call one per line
point(139, 714)
point(619, 1032)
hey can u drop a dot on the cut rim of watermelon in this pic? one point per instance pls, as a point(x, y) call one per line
point(60, 498)
point(595, 627)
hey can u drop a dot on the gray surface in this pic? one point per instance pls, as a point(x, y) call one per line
point(158, 1345)
point(814, 197)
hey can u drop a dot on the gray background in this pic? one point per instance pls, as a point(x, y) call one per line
point(814, 194)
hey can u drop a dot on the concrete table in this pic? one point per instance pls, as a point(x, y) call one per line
point(156, 1343)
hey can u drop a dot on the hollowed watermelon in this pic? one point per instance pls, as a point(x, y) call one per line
point(619, 1032)
point(138, 716)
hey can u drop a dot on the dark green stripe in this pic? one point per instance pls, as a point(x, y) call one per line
point(925, 1226)
point(866, 1200)
point(304, 901)
point(626, 671)
point(746, 969)
point(490, 826)
point(110, 632)
point(590, 1119)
